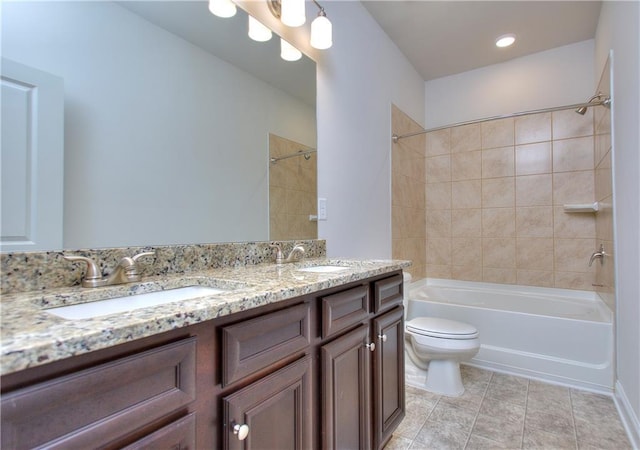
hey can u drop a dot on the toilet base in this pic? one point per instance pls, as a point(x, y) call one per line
point(443, 377)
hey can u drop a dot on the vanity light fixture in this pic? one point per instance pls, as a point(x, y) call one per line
point(505, 40)
point(292, 12)
point(257, 31)
point(321, 28)
point(288, 52)
point(222, 8)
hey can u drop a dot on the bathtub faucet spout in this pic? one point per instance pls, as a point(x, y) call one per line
point(598, 255)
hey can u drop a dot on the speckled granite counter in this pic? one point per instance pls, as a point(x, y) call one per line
point(30, 336)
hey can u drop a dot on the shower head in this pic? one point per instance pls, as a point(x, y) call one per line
point(599, 96)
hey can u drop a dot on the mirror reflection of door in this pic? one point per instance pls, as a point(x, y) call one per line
point(292, 190)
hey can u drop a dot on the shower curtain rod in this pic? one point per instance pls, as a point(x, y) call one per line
point(606, 102)
point(304, 153)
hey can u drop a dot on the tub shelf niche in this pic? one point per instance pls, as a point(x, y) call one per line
point(581, 207)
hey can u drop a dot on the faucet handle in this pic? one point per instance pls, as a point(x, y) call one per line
point(93, 273)
point(142, 255)
point(279, 256)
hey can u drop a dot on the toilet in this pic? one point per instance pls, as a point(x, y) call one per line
point(438, 346)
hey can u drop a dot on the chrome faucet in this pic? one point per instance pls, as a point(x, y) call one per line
point(295, 255)
point(598, 255)
point(125, 272)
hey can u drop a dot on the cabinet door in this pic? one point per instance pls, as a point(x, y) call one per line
point(346, 395)
point(272, 413)
point(388, 374)
point(178, 435)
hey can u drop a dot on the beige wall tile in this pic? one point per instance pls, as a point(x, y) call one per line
point(438, 196)
point(572, 255)
point(542, 278)
point(573, 154)
point(569, 124)
point(438, 223)
point(533, 158)
point(533, 128)
point(498, 192)
point(466, 222)
point(603, 179)
point(466, 251)
point(497, 133)
point(438, 142)
point(416, 223)
point(413, 249)
point(602, 144)
point(436, 271)
point(438, 169)
point(466, 166)
point(466, 138)
point(574, 280)
point(604, 220)
point(439, 251)
point(498, 162)
point(503, 276)
point(534, 221)
point(466, 273)
point(534, 190)
point(573, 187)
point(499, 253)
point(573, 225)
point(466, 194)
point(534, 253)
point(498, 222)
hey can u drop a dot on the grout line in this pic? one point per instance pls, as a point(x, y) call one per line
point(573, 418)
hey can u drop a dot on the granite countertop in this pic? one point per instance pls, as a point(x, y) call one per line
point(30, 336)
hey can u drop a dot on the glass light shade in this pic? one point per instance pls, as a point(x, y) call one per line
point(321, 33)
point(222, 8)
point(288, 52)
point(505, 40)
point(257, 31)
point(292, 13)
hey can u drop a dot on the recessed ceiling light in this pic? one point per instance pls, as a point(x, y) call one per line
point(505, 40)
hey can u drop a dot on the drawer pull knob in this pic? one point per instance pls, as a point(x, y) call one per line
point(383, 337)
point(242, 431)
point(371, 346)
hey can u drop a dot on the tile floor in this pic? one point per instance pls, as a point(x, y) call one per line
point(503, 411)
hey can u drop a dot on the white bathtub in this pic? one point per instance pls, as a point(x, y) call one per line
point(556, 335)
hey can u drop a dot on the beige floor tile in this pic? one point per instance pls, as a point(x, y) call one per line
point(542, 420)
point(481, 443)
point(543, 440)
point(398, 443)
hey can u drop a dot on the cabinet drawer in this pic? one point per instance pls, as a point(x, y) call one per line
point(99, 405)
point(387, 293)
point(344, 309)
point(178, 435)
point(255, 344)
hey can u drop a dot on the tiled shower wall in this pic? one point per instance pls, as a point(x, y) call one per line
point(292, 191)
point(408, 195)
point(494, 200)
point(604, 194)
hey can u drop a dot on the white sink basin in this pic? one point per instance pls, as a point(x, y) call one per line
point(323, 269)
point(130, 302)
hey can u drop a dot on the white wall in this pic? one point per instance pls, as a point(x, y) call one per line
point(358, 80)
point(142, 166)
point(556, 77)
point(619, 30)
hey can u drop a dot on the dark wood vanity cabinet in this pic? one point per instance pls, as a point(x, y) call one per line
point(325, 370)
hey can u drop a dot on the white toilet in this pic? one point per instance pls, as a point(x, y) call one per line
point(438, 346)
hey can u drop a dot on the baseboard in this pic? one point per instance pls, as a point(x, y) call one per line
point(627, 415)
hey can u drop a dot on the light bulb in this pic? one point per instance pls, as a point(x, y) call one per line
point(222, 8)
point(321, 32)
point(505, 40)
point(288, 52)
point(293, 14)
point(257, 31)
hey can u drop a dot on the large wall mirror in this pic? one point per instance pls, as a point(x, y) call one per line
point(168, 113)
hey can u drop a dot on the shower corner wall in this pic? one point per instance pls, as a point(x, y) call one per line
point(408, 194)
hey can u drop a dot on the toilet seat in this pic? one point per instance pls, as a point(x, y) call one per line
point(441, 328)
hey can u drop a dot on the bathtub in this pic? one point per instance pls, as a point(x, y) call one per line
point(556, 335)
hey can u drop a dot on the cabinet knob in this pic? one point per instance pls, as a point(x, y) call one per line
point(371, 346)
point(242, 431)
point(383, 337)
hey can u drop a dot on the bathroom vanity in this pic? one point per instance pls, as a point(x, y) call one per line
point(291, 359)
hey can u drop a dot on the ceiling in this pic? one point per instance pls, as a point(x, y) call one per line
point(443, 38)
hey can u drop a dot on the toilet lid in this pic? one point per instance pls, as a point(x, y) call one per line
point(442, 328)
